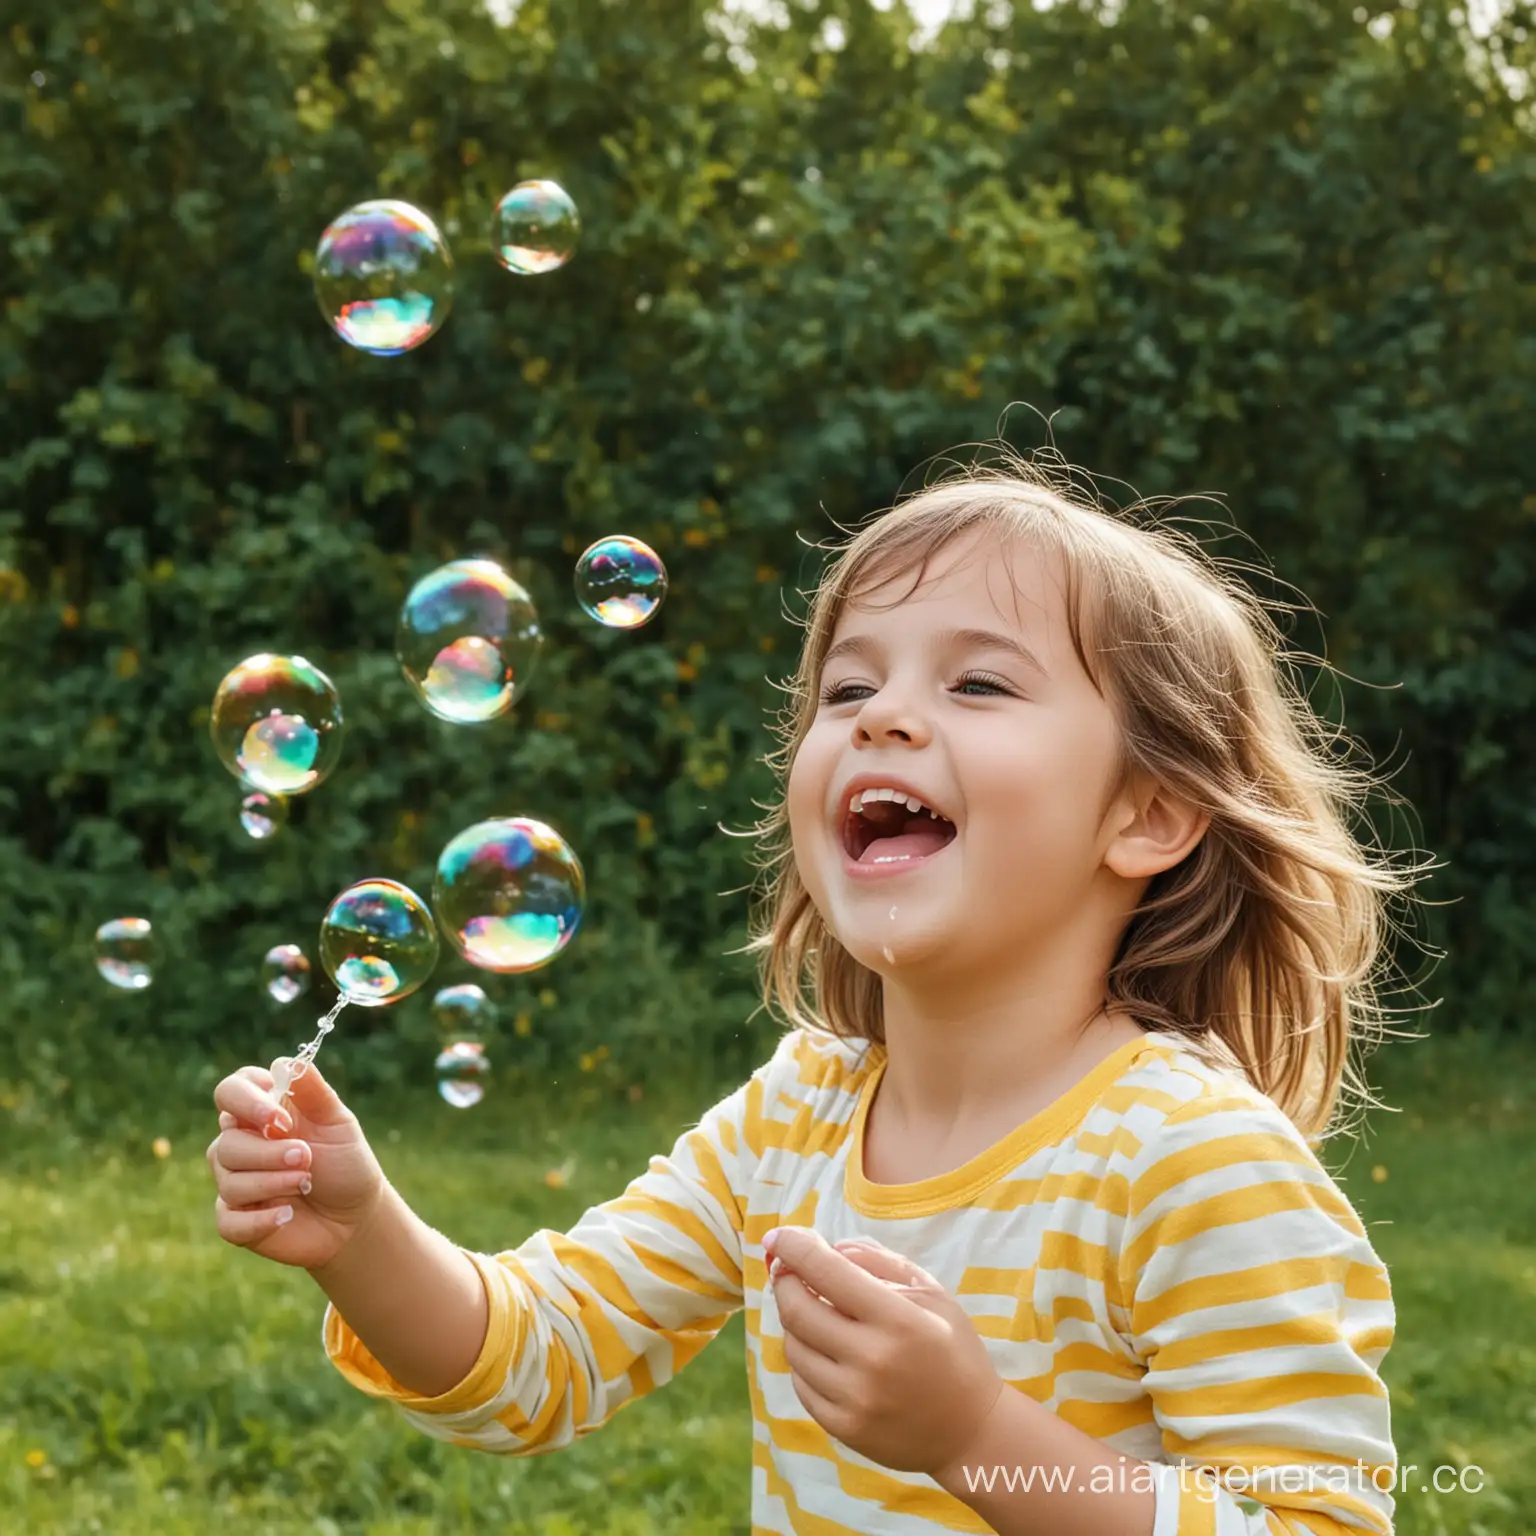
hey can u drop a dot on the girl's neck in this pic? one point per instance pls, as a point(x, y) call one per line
point(993, 1070)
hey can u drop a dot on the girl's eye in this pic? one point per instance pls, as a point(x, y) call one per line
point(841, 693)
point(983, 680)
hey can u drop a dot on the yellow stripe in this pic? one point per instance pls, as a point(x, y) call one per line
point(1223, 1152)
point(1264, 1394)
point(1314, 1328)
point(713, 1177)
point(1227, 1209)
point(684, 1222)
point(1239, 1286)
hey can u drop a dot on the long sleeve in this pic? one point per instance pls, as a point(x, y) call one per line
point(1262, 1315)
point(588, 1320)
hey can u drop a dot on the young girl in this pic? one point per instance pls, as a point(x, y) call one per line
point(1024, 1212)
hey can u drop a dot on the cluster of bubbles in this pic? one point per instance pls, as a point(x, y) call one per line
point(463, 1015)
point(509, 893)
point(384, 273)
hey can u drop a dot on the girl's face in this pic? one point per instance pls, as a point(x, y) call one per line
point(968, 697)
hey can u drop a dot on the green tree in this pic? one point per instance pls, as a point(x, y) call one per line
point(1263, 249)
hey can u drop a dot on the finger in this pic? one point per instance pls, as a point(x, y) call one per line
point(880, 1262)
point(813, 1367)
point(822, 1409)
point(811, 1320)
point(227, 1121)
point(242, 1228)
point(246, 1191)
point(247, 1095)
point(244, 1151)
point(316, 1100)
point(828, 1272)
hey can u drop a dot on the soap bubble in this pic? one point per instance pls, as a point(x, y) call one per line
point(276, 724)
point(461, 1071)
point(383, 277)
point(285, 973)
point(263, 815)
point(535, 228)
point(509, 894)
point(377, 942)
point(620, 581)
point(468, 639)
point(127, 953)
point(463, 1012)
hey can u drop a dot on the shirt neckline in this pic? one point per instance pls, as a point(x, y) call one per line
point(961, 1185)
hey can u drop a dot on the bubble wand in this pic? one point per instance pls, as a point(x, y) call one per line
point(378, 943)
point(287, 1070)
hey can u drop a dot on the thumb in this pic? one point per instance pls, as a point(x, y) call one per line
point(311, 1096)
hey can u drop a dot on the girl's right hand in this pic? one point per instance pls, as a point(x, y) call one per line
point(265, 1155)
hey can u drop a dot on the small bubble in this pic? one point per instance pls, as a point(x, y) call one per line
point(39, 79)
point(535, 229)
point(620, 582)
point(285, 973)
point(263, 815)
point(127, 953)
point(462, 1012)
point(461, 1071)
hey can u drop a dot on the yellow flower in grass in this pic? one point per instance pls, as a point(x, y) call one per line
point(36, 1458)
point(161, 1148)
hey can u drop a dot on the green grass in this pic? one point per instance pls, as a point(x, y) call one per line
point(174, 1385)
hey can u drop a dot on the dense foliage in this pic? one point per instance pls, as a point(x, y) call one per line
point(1270, 249)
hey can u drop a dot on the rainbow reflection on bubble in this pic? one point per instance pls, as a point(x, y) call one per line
point(620, 581)
point(535, 228)
point(127, 953)
point(377, 942)
point(384, 277)
point(463, 1012)
point(468, 640)
point(509, 894)
point(276, 724)
point(262, 815)
point(285, 973)
point(461, 1070)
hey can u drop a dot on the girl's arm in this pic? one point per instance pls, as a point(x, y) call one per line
point(1261, 1313)
point(427, 1325)
point(550, 1339)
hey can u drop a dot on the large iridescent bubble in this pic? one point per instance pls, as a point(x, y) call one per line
point(276, 724)
point(377, 942)
point(384, 277)
point(509, 894)
point(535, 228)
point(127, 953)
point(620, 581)
point(468, 639)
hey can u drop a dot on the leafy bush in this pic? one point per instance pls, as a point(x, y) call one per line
point(1266, 250)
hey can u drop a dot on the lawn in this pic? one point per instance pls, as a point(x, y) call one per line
point(157, 1381)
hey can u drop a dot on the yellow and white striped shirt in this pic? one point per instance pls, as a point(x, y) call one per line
point(1158, 1257)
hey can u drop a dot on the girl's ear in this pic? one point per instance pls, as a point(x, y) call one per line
point(1158, 831)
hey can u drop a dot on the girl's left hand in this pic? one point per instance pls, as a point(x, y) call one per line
point(880, 1354)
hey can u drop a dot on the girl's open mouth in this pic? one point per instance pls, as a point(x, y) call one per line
point(886, 833)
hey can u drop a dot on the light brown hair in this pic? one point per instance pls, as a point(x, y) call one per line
point(1266, 947)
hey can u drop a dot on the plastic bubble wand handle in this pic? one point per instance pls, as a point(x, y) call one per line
point(287, 1070)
